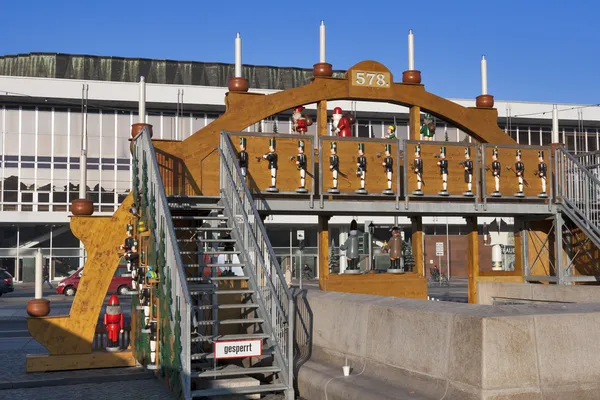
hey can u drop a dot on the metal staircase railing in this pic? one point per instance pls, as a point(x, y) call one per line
point(181, 301)
point(272, 293)
point(578, 190)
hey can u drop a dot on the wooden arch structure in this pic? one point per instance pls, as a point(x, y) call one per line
point(197, 157)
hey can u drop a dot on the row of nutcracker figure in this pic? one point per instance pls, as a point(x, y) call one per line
point(334, 166)
point(518, 170)
point(141, 276)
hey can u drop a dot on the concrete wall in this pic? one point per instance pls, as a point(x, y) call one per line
point(460, 351)
point(488, 291)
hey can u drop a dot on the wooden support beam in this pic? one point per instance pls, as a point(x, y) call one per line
point(321, 121)
point(323, 243)
point(472, 257)
point(414, 118)
point(417, 244)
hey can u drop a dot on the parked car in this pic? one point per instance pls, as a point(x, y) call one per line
point(6, 282)
point(120, 283)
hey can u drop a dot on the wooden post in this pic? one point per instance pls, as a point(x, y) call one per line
point(323, 243)
point(321, 122)
point(472, 257)
point(417, 244)
point(414, 117)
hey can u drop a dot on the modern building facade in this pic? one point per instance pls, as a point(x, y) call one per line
point(42, 111)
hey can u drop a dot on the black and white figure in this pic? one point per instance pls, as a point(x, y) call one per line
point(271, 157)
point(388, 165)
point(301, 164)
point(133, 260)
point(145, 303)
point(468, 165)
point(334, 167)
point(542, 174)
point(418, 169)
point(520, 173)
point(443, 164)
point(496, 169)
point(243, 157)
point(361, 168)
point(153, 338)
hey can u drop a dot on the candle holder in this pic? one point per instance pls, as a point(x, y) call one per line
point(411, 77)
point(137, 128)
point(322, 70)
point(82, 207)
point(484, 101)
point(238, 84)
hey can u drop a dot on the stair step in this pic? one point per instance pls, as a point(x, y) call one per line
point(207, 240)
point(214, 199)
point(217, 338)
point(232, 370)
point(215, 252)
point(233, 321)
point(218, 265)
point(239, 390)
point(195, 206)
point(226, 306)
point(210, 288)
point(209, 356)
point(201, 229)
point(217, 278)
point(196, 217)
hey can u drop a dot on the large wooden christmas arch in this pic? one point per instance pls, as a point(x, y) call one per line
point(245, 109)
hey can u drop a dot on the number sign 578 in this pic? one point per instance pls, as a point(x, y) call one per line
point(371, 79)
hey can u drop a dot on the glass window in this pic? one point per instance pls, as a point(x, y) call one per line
point(591, 140)
point(363, 129)
point(570, 140)
point(523, 135)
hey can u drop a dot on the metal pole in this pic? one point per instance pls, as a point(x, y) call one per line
point(291, 319)
point(447, 249)
point(370, 251)
point(291, 256)
point(301, 269)
point(38, 274)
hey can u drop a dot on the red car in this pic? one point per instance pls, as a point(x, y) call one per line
point(120, 283)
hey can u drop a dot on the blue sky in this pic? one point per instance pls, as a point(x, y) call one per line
point(546, 51)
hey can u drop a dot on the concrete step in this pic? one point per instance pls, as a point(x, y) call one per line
point(273, 388)
point(246, 336)
point(232, 370)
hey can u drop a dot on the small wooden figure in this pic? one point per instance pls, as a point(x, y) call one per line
point(496, 170)
point(388, 165)
point(542, 174)
point(300, 121)
point(519, 172)
point(395, 250)
point(418, 168)
point(341, 125)
point(351, 247)
point(361, 168)
point(468, 165)
point(443, 164)
point(334, 167)
point(271, 157)
point(428, 128)
point(114, 321)
point(243, 157)
point(391, 132)
point(301, 163)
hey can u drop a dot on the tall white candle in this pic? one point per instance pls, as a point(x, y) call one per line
point(483, 76)
point(322, 43)
point(238, 56)
point(411, 51)
point(39, 269)
point(142, 101)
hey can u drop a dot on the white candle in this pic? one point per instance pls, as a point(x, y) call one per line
point(483, 75)
point(238, 56)
point(411, 51)
point(322, 43)
point(142, 101)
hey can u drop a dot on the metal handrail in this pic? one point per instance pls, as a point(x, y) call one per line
point(179, 289)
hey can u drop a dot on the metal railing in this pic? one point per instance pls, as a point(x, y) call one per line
point(262, 267)
point(579, 192)
point(179, 290)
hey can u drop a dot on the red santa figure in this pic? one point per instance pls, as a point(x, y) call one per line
point(300, 120)
point(340, 125)
point(114, 321)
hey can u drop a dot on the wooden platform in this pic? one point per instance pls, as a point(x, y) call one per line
point(407, 285)
point(94, 360)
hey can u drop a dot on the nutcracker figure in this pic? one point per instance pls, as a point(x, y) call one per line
point(542, 174)
point(394, 246)
point(520, 173)
point(300, 121)
point(126, 247)
point(468, 165)
point(133, 260)
point(301, 163)
point(145, 305)
point(243, 157)
point(391, 132)
point(388, 165)
point(418, 168)
point(153, 337)
point(361, 168)
point(443, 164)
point(334, 167)
point(428, 128)
point(114, 322)
point(496, 169)
point(340, 124)
point(351, 247)
point(271, 157)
